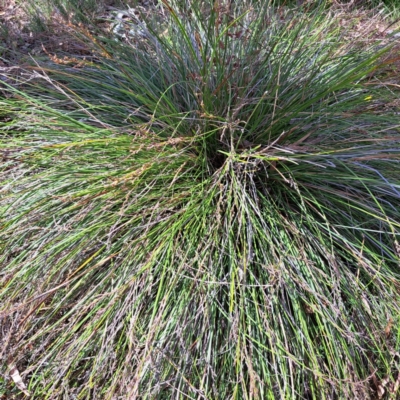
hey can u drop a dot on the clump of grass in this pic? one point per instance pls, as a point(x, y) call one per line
point(83, 11)
point(207, 212)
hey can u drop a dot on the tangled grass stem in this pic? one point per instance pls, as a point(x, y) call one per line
point(208, 219)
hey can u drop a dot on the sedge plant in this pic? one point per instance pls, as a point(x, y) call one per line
point(208, 211)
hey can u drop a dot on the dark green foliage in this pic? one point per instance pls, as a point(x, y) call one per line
point(207, 212)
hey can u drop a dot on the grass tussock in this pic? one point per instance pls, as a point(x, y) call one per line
point(208, 211)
